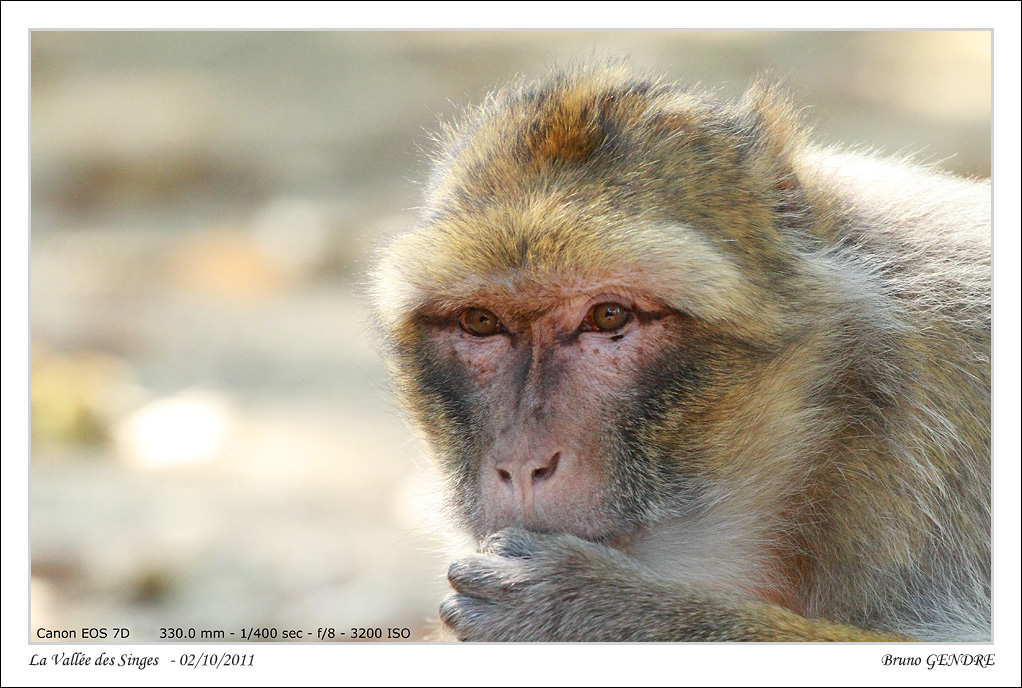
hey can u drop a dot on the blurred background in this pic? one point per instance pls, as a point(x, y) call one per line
point(213, 443)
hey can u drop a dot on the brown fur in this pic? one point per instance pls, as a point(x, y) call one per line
point(803, 449)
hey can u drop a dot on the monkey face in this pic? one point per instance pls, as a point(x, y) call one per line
point(587, 408)
point(541, 392)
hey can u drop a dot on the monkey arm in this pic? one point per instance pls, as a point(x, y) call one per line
point(525, 586)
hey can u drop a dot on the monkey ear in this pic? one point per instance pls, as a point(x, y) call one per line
point(779, 131)
point(778, 135)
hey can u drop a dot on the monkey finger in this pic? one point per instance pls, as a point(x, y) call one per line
point(461, 614)
point(481, 577)
point(511, 542)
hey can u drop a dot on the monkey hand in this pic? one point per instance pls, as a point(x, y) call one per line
point(526, 586)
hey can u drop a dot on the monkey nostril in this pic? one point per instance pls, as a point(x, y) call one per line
point(504, 475)
point(544, 472)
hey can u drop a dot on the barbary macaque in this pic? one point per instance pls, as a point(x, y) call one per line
point(689, 376)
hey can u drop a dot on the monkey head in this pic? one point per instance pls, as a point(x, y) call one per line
point(578, 320)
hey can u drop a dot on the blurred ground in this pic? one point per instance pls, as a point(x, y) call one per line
point(214, 447)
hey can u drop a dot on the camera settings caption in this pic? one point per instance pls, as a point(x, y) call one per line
point(252, 633)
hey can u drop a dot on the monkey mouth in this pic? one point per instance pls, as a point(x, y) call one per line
point(618, 536)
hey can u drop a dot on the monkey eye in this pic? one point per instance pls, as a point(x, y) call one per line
point(480, 322)
point(607, 317)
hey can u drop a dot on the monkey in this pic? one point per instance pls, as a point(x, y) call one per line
point(687, 375)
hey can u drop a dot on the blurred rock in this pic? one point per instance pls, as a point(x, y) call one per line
point(77, 397)
point(192, 427)
point(226, 264)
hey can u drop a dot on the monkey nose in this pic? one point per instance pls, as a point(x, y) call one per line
point(527, 474)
